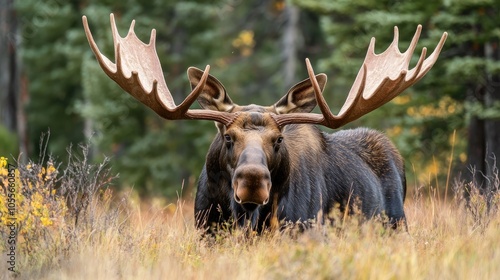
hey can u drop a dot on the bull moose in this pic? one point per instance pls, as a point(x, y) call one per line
point(272, 163)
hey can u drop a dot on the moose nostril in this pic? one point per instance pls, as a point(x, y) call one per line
point(266, 201)
point(238, 200)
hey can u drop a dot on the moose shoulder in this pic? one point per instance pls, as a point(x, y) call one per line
point(271, 163)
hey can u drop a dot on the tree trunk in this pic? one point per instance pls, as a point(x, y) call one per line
point(484, 134)
point(290, 42)
point(492, 125)
point(22, 119)
point(475, 152)
point(13, 95)
point(8, 77)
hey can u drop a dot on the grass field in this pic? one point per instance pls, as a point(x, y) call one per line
point(117, 236)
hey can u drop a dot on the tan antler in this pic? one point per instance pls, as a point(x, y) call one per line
point(381, 78)
point(138, 71)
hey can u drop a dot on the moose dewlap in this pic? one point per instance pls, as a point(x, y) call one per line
point(271, 163)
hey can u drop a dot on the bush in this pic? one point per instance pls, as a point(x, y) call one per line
point(481, 202)
point(51, 206)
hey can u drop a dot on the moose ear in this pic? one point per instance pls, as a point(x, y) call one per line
point(300, 98)
point(213, 96)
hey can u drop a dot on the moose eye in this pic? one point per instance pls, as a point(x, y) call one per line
point(229, 141)
point(277, 143)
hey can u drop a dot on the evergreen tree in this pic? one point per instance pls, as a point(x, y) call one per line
point(422, 121)
point(475, 72)
point(51, 48)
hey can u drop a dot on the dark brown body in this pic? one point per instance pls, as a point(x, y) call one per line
point(311, 171)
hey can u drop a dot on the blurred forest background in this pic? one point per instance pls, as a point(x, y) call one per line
point(50, 80)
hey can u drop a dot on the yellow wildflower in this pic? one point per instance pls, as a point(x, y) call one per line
point(36, 203)
point(3, 162)
point(46, 221)
point(41, 173)
point(50, 170)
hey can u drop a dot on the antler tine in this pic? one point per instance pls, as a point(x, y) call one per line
point(138, 71)
point(429, 62)
point(106, 65)
point(320, 100)
point(381, 78)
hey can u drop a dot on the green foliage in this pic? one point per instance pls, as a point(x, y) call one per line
point(8, 142)
point(423, 120)
point(51, 50)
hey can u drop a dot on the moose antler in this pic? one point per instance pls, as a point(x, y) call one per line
point(381, 78)
point(138, 71)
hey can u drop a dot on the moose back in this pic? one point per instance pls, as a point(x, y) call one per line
point(272, 163)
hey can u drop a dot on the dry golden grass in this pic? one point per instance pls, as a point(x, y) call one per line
point(154, 240)
point(70, 226)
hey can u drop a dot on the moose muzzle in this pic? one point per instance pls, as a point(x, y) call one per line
point(252, 184)
point(251, 179)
